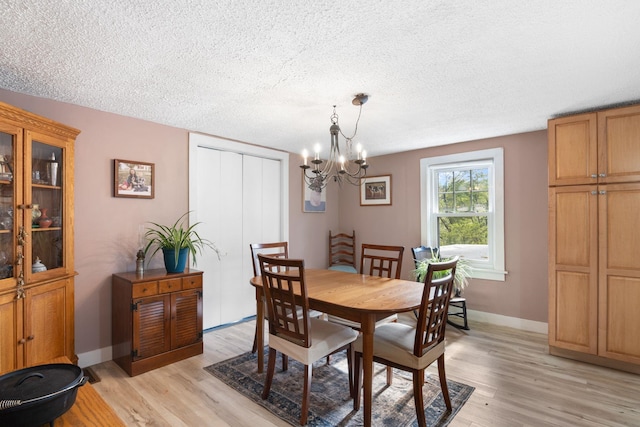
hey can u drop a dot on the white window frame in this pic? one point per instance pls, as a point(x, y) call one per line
point(494, 268)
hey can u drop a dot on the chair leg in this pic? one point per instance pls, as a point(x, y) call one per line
point(418, 378)
point(306, 395)
point(271, 367)
point(357, 380)
point(255, 341)
point(389, 375)
point(351, 354)
point(464, 314)
point(443, 382)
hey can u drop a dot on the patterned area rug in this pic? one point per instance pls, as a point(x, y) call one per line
point(330, 402)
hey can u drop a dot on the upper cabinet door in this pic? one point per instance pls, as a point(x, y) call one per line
point(619, 145)
point(45, 209)
point(10, 144)
point(573, 150)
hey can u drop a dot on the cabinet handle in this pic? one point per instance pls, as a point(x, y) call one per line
point(30, 338)
point(594, 192)
point(602, 175)
point(603, 192)
point(593, 175)
point(22, 341)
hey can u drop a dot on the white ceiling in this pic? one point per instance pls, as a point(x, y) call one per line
point(269, 71)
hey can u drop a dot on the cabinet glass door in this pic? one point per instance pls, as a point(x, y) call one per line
point(7, 206)
point(46, 216)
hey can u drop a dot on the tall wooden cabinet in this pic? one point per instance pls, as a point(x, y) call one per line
point(156, 318)
point(36, 254)
point(594, 237)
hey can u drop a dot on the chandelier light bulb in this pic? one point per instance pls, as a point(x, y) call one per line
point(316, 149)
point(364, 155)
point(305, 154)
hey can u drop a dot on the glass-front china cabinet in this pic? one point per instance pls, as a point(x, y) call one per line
point(36, 239)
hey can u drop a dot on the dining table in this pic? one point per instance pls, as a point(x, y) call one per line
point(357, 297)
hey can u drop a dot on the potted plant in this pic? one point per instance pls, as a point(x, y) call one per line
point(463, 271)
point(177, 241)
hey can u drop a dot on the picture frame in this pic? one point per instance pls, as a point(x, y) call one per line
point(313, 201)
point(133, 179)
point(375, 190)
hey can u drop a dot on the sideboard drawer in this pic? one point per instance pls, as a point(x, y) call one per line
point(192, 282)
point(144, 289)
point(170, 285)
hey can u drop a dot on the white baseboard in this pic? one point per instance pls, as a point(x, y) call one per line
point(511, 322)
point(94, 357)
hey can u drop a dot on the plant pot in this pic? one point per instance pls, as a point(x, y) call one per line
point(170, 260)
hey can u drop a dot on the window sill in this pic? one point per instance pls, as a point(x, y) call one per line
point(479, 273)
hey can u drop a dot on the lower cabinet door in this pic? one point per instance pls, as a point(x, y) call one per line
point(46, 317)
point(186, 318)
point(151, 330)
point(11, 344)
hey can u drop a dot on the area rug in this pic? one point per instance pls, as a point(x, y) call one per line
point(330, 402)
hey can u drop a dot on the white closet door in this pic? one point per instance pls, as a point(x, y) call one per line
point(262, 219)
point(238, 201)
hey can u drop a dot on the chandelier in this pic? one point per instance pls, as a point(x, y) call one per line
point(337, 167)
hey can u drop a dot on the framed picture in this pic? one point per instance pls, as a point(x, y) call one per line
point(313, 201)
point(375, 190)
point(133, 179)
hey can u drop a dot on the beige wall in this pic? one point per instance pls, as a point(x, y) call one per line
point(524, 293)
point(106, 228)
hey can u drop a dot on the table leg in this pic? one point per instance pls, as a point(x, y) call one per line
point(260, 329)
point(367, 327)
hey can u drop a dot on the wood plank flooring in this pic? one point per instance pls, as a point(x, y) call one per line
point(517, 384)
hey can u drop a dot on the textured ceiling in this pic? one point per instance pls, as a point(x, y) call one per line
point(269, 71)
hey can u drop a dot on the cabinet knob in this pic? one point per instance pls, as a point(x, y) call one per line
point(22, 341)
point(594, 192)
point(30, 338)
point(602, 175)
point(603, 192)
point(593, 175)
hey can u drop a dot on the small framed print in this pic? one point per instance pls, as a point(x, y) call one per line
point(133, 179)
point(313, 200)
point(375, 190)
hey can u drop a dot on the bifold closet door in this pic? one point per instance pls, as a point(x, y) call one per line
point(238, 202)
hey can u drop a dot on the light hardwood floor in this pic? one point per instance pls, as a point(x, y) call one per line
point(517, 384)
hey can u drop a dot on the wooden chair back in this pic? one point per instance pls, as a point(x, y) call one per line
point(342, 249)
point(286, 298)
point(276, 249)
point(381, 260)
point(432, 317)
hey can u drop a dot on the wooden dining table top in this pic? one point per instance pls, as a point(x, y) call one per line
point(358, 292)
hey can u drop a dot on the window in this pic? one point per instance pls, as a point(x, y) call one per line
point(462, 204)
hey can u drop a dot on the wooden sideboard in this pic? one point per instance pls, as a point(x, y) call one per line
point(156, 318)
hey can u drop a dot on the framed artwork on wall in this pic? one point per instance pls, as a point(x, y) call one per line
point(133, 179)
point(313, 199)
point(375, 190)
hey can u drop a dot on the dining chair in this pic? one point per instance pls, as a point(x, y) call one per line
point(414, 348)
point(278, 250)
point(301, 337)
point(381, 261)
point(342, 252)
point(458, 302)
